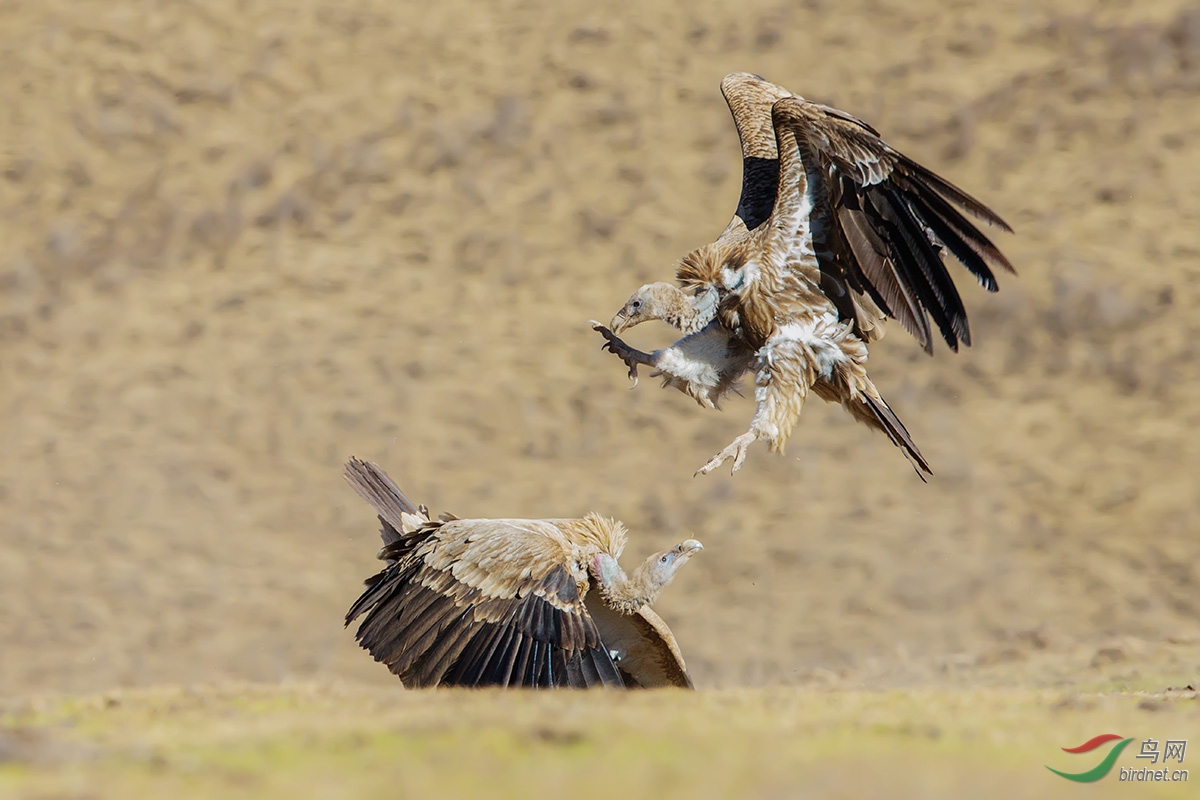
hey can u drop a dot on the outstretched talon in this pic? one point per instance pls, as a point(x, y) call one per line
point(629, 355)
point(736, 450)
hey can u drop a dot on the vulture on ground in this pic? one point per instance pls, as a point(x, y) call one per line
point(512, 602)
point(834, 232)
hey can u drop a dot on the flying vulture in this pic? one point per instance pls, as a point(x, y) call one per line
point(834, 232)
point(512, 602)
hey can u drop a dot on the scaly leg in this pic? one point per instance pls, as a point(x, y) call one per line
point(629, 355)
point(736, 450)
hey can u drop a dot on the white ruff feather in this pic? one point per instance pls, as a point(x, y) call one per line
point(737, 279)
point(731, 279)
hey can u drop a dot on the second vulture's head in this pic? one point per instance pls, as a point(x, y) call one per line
point(628, 593)
point(652, 301)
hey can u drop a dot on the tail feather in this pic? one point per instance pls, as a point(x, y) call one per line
point(883, 418)
point(876, 413)
point(374, 486)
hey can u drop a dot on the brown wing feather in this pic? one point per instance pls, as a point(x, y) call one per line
point(656, 662)
point(476, 602)
point(881, 279)
point(892, 218)
point(647, 654)
point(432, 629)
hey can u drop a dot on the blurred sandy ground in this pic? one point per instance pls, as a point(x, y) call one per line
point(242, 241)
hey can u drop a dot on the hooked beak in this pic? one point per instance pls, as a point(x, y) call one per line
point(689, 547)
point(619, 321)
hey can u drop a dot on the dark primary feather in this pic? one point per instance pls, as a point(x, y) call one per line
point(968, 244)
point(429, 639)
point(871, 269)
point(923, 175)
point(913, 219)
point(893, 219)
point(946, 306)
point(913, 274)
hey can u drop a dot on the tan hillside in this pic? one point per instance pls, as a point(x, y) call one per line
point(242, 241)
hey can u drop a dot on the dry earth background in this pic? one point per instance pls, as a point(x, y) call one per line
point(244, 240)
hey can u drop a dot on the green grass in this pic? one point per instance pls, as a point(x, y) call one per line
point(333, 740)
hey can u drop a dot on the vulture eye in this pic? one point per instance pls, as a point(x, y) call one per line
point(636, 305)
point(663, 559)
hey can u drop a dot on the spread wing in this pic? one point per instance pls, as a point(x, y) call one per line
point(878, 220)
point(644, 648)
point(477, 603)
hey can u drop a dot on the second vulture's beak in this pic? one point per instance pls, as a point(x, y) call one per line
point(619, 321)
point(689, 547)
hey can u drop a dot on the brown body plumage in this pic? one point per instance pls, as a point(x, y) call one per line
point(512, 602)
point(834, 232)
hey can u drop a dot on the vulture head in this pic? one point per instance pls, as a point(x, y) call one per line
point(628, 593)
point(652, 301)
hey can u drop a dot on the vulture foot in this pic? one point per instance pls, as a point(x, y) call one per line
point(629, 355)
point(736, 450)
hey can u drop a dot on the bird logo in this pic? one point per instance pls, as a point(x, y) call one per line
point(1100, 770)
